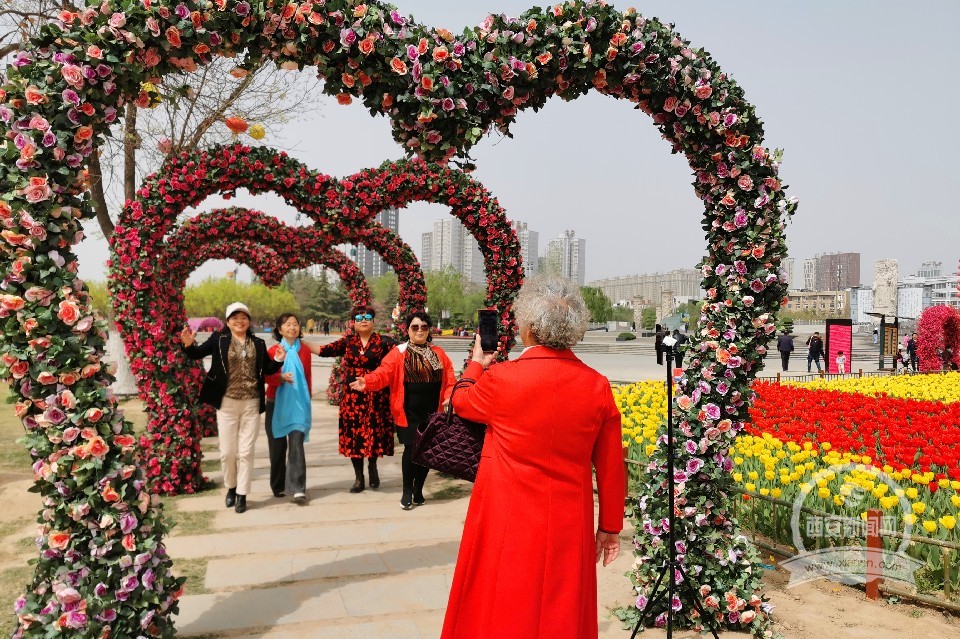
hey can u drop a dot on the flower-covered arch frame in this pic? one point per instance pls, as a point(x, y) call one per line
point(938, 329)
point(150, 312)
point(441, 92)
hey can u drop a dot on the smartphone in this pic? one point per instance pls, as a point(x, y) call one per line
point(488, 329)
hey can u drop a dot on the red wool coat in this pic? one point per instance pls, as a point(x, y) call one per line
point(527, 562)
point(390, 373)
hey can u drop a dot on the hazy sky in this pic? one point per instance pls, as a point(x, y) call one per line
point(860, 94)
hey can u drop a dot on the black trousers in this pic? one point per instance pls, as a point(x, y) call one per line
point(785, 358)
point(278, 454)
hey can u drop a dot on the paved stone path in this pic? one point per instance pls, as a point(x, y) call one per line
point(342, 565)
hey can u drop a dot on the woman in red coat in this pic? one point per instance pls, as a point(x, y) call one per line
point(420, 377)
point(527, 559)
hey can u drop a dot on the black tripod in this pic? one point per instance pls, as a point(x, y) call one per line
point(672, 566)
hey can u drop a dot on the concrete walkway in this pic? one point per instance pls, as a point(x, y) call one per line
point(342, 565)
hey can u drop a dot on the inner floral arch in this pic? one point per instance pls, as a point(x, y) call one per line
point(441, 92)
point(149, 312)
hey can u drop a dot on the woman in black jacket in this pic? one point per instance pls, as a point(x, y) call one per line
point(234, 385)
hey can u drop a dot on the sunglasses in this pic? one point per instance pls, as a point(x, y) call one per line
point(366, 317)
point(419, 327)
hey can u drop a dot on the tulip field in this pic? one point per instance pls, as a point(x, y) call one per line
point(900, 428)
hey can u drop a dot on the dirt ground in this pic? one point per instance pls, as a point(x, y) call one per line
point(819, 610)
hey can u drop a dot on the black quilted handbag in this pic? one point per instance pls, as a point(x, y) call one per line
point(450, 444)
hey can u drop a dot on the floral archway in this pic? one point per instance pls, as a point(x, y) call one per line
point(149, 267)
point(938, 329)
point(441, 92)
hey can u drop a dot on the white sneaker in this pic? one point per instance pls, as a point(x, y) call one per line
point(300, 497)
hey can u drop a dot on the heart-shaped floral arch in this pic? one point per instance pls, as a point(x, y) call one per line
point(441, 92)
point(149, 313)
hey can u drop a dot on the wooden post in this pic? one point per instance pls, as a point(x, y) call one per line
point(874, 553)
point(778, 378)
point(626, 471)
point(860, 373)
point(945, 558)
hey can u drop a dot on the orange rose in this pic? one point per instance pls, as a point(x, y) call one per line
point(69, 312)
point(348, 81)
point(173, 36)
point(544, 58)
point(109, 494)
point(128, 543)
point(387, 101)
point(531, 26)
point(365, 79)
point(723, 355)
point(366, 46)
point(427, 83)
point(93, 415)
point(58, 540)
point(440, 54)
point(98, 447)
point(344, 98)
point(83, 133)
point(422, 46)
point(445, 35)
point(399, 66)
point(359, 11)
point(69, 378)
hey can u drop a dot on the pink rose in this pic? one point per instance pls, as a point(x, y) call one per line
point(670, 104)
point(73, 75)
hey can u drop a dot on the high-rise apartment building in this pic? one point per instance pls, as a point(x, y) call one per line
point(837, 271)
point(450, 245)
point(370, 262)
point(788, 265)
point(566, 256)
point(809, 274)
point(529, 248)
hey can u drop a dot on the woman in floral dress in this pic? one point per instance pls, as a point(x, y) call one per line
point(366, 427)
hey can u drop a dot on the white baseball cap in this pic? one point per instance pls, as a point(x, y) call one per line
point(237, 307)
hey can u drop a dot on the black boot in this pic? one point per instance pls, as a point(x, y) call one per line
point(241, 506)
point(358, 485)
point(374, 475)
point(419, 479)
point(231, 497)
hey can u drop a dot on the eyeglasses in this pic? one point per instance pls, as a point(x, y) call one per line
point(366, 317)
point(419, 327)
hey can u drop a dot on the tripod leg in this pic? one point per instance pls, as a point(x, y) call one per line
point(708, 621)
point(646, 609)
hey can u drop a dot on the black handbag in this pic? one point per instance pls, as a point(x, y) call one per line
point(448, 443)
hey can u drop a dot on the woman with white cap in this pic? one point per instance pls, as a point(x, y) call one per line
point(234, 385)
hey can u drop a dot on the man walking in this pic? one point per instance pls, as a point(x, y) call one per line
point(814, 350)
point(912, 353)
point(785, 346)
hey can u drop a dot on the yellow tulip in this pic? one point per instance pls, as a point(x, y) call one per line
point(911, 492)
point(948, 522)
point(929, 526)
point(824, 492)
point(918, 507)
point(910, 519)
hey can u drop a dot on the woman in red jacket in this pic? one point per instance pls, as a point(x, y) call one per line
point(526, 563)
point(420, 377)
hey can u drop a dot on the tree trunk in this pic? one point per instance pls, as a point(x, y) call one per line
point(131, 142)
point(96, 192)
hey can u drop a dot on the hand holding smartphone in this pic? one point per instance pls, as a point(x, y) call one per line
point(488, 329)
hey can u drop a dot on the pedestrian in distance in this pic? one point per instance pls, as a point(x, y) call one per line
point(289, 412)
point(658, 343)
point(366, 423)
point(876, 336)
point(234, 385)
point(912, 353)
point(814, 350)
point(785, 346)
point(420, 377)
point(841, 363)
point(526, 562)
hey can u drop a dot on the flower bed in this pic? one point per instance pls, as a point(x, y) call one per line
point(797, 438)
point(932, 388)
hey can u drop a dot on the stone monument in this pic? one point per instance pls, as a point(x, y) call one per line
point(666, 306)
point(886, 274)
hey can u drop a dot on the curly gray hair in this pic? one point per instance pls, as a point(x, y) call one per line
point(553, 308)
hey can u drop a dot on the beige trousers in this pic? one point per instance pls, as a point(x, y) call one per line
point(238, 422)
